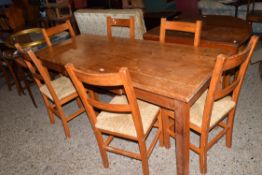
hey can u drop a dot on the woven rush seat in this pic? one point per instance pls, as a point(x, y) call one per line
point(62, 87)
point(123, 122)
point(220, 109)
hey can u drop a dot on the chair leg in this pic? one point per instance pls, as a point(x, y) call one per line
point(160, 128)
point(101, 147)
point(165, 123)
point(48, 107)
point(7, 80)
point(66, 128)
point(64, 121)
point(230, 124)
point(17, 83)
point(79, 103)
point(30, 92)
point(27, 86)
point(203, 154)
point(144, 158)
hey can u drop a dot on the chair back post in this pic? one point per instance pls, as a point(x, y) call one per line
point(132, 28)
point(162, 30)
point(44, 73)
point(109, 29)
point(241, 74)
point(197, 37)
point(130, 93)
point(216, 77)
point(82, 93)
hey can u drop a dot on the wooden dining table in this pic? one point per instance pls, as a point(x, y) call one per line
point(172, 76)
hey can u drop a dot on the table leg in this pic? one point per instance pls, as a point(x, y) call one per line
point(182, 137)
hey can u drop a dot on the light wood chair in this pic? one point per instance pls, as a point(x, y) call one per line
point(216, 106)
point(123, 117)
point(121, 23)
point(49, 32)
point(56, 93)
point(181, 26)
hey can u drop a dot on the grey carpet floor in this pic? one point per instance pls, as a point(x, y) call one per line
point(29, 145)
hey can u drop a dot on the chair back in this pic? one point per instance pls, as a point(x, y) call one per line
point(49, 32)
point(227, 78)
point(121, 80)
point(181, 26)
point(38, 71)
point(121, 23)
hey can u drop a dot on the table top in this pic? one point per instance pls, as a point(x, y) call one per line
point(170, 70)
point(223, 31)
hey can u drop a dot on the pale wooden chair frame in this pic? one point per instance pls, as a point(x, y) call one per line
point(121, 23)
point(122, 78)
point(40, 75)
point(49, 32)
point(217, 90)
point(181, 26)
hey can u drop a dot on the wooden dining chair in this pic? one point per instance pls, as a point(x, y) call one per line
point(58, 29)
point(121, 23)
point(216, 106)
point(123, 117)
point(56, 93)
point(181, 26)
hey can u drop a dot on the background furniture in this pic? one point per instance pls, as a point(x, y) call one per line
point(58, 12)
point(233, 33)
point(93, 21)
point(28, 38)
point(187, 7)
point(235, 4)
point(4, 24)
point(152, 19)
point(254, 15)
point(212, 7)
point(7, 66)
point(133, 4)
point(12, 17)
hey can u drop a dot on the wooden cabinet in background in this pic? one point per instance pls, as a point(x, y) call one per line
point(15, 17)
